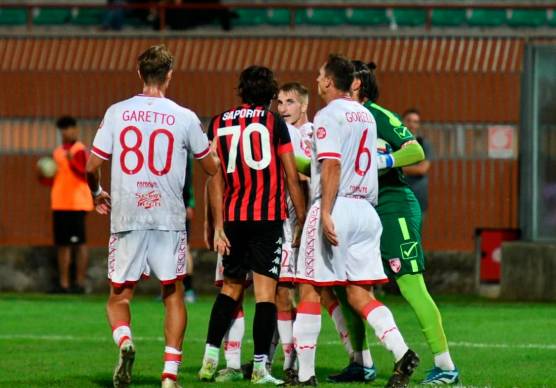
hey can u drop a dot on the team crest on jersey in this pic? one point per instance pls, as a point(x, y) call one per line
point(321, 133)
point(395, 264)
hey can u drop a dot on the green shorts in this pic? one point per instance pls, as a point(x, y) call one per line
point(400, 245)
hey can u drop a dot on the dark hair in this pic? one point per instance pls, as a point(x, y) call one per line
point(65, 122)
point(154, 64)
point(411, 111)
point(341, 70)
point(257, 85)
point(296, 87)
point(365, 72)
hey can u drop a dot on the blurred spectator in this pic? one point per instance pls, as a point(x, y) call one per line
point(181, 19)
point(189, 200)
point(70, 201)
point(417, 174)
point(114, 18)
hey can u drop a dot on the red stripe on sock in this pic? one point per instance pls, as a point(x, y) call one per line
point(373, 304)
point(124, 338)
point(332, 308)
point(309, 308)
point(388, 331)
point(286, 315)
point(119, 324)
point(170, 376)
point(172, 357)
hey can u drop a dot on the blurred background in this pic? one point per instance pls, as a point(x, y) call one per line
point(481, 73)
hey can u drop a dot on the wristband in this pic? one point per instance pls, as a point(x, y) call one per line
point(385, 161)
point(98, 191)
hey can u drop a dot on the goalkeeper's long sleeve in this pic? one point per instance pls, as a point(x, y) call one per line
point(408, 155)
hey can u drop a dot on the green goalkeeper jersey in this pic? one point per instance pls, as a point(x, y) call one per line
point(394, 196)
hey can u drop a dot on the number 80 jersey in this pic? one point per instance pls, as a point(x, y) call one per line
point(148, 139)
point(249, 140)
point(345, 130)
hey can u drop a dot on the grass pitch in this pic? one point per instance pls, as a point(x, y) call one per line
point(64, 341)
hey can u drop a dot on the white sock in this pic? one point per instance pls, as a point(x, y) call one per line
point(285, 329)
point(259, 361)
point(444, 361)
point(172, 361)
point(211, 353)
point(337, 316)
point(121, 332)
point(363, 358)
point(232, 341)
point(273, 346)
point(382, 321)
point(306, 329)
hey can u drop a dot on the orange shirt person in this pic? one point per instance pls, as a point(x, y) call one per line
point(70, 201)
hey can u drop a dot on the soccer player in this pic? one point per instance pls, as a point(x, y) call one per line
point(148, 138)
point(248, 206)
point(292, 104)
point(399, 211)
point(337, 248)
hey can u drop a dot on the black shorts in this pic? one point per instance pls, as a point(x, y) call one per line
point(69, 227)
point(255, 246)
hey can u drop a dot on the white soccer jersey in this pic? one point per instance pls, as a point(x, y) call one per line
point(345, 130)
point(148, 139)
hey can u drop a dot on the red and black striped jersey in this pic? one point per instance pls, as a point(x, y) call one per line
point(249, 140)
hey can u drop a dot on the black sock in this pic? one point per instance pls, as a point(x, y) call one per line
point(264, 325)
point(220, 319)
point(188, 282)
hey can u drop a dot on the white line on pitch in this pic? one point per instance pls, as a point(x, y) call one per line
point(33, 337)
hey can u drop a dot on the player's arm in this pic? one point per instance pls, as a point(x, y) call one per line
point(215, 187)
point(101, 151)
point(209, 222)
point(410, 153)
point(330, 181)
point(101, 197)
point(296, 193)
point(419, 169)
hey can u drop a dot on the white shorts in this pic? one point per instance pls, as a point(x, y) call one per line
point(356, 259)
point(133, 254)
point(219, 274)
point(289, 254)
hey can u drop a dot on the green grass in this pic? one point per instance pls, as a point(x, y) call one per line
point(55, 341)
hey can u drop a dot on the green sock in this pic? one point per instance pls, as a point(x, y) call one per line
point(414, 290)
point(354, 323)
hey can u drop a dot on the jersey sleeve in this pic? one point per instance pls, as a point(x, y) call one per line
point(327, 137)
point(197, 141)
point(104, 139)
point(284, 141)
point(390, 127)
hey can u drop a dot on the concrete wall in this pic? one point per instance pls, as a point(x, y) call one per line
point(34, 270)
point(528, 271)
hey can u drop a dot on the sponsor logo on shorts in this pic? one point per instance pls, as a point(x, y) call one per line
point(182, 251)
point(395, 264)
point(310, 245)
point(112, 254)
point(148, 200)
point(321, 133)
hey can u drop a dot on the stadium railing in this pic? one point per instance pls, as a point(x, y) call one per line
point(410, 14)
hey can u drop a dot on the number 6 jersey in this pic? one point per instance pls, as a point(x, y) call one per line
point(249, 140)
point(148, 139)
point(346, 131)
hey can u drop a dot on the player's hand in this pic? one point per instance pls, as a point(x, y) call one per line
point(103, 203)
point(209, 235)
point(328, 229)
point(221, 242)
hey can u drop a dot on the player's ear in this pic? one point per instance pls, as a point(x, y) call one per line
point(169, 75)
point(139, 74)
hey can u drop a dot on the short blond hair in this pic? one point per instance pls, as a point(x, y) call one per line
point(297, 87)
point(154, 64)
